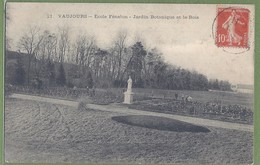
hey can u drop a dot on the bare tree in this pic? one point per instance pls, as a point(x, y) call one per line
point(83, 53)
point(51, 45)
point(30, 43)
point(112, 63)
point(46, 53)
point(120, 48)
point(64, 42)
point(153, 59)
point(85, 50)
point(81, 49)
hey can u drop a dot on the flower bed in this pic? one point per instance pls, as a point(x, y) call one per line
point(232, 113)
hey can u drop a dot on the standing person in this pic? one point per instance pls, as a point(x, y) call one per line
point(182, 97)
point(230, 25)
point(93, 91)
point(176, 96)
point(87, 90)
point(75, 91)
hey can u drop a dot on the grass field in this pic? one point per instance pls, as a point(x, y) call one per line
point(43, 132)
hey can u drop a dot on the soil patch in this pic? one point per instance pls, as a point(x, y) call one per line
point(50, 133)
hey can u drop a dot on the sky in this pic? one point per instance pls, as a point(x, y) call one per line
point(188, 43)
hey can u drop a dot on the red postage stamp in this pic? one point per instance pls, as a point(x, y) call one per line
point(232, 27)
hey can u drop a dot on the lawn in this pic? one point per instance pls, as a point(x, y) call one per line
point(44, 132)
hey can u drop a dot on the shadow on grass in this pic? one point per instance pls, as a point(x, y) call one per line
point(160, 123)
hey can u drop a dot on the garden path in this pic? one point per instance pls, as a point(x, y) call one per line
point(119, 108)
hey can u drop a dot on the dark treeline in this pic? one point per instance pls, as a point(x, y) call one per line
point(54, 59)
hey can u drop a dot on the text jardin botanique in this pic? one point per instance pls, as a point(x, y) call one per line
point(96, 16)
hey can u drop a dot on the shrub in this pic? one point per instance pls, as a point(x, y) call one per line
point(107, 97)
point(82, 105)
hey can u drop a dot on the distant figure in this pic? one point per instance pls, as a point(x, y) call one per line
point(87, 90)
point(182, 97)
point(176, 96)
point(93, 91)
point(75, 91)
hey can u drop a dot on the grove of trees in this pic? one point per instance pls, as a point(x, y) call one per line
point(59, 59)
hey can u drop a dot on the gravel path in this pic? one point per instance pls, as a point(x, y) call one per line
point(117, 108)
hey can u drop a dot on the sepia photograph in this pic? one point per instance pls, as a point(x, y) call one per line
point(129, 83)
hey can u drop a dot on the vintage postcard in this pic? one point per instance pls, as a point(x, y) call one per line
point(129, 83)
